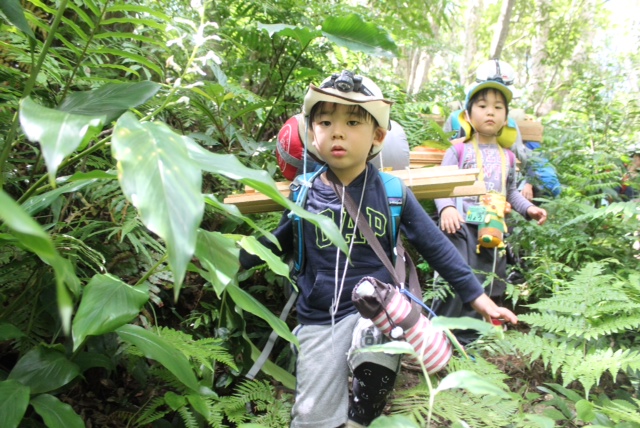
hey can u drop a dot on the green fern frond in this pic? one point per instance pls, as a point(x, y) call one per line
point(151, 412)
point(553, 353)
point(590, 306)
point(622, 411)
point(216, 414)
point(588, 369)
point(479, 365)
point(203, 351)
point(165, 377)
point(187, 417)
point(123, 416)
point(613, 325)
point(255, 391)
point(453, 406)
point(572, 326)
point(276, 414)
point(259, 394)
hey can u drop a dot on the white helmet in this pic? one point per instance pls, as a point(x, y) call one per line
point(497, 71)
point(350, 89)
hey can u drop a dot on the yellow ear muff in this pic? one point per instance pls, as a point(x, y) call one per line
point(506, 138)
point(463, 119)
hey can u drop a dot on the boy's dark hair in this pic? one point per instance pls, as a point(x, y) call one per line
point(359, 111)
point(482, 94)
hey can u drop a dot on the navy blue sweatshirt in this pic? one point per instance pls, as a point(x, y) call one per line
point(317, 281)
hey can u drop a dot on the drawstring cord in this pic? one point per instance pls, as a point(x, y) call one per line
point(339, 289)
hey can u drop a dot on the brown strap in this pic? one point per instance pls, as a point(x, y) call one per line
point(399, 271)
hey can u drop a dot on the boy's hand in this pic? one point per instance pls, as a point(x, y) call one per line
point(488, 309)
point(537, 213)
point(450, 220)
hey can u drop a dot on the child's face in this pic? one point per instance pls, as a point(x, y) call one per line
point(344, 138)
point(489, 113)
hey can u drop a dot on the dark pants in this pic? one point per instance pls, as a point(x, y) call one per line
point(466, 241)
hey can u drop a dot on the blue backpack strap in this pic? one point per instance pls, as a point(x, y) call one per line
point(299, 189)
point(455, 121)
point(396, 197)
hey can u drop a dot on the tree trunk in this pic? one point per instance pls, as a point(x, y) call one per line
point(473, 21)
point(502, 30)
point(539, 55)
point(420, 66)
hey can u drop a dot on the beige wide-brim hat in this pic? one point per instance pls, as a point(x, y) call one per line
point(375, 104)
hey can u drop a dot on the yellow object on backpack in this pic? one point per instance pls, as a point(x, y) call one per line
point(491, 231)
point(492, 228)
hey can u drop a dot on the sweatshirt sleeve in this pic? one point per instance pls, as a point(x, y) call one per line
point(284, 236)
point(519, 203)
point(450, 158)
point(437, 250)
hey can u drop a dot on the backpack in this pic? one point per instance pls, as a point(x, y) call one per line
point(289, 148)
point(544, 174)
point(396, 196)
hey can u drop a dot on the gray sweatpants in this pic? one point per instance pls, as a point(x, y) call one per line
point(325, 360)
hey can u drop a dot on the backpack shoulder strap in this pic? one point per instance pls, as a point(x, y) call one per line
point(396, 197)
point(455, 120)
point(299, 189)
point(512, 158)
point(459, 147)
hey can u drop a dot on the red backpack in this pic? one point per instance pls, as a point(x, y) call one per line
point(289, 149)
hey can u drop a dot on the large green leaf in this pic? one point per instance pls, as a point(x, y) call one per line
point(160, 179)
point(156, 348)
point(253, 246)
point(352, 32)
point(231, 167)
point(59, 133)
point(55, 413)
point(13, 10)
point(218, 256)
point(109, 100)
point(585, 411)
point(233, 211)
point(71, 184)
point(462, 323)
point(9, 332)
point(470, 381)
point(44, 369)
point(14, 399)
point(302, 34)
point(107, 303)
point(394, 421)
point(249, 303)
point(31, 235)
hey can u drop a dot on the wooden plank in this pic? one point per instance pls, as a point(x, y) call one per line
point(476, 189)
point(426, 183)
point(418, 158)
point(408, 175)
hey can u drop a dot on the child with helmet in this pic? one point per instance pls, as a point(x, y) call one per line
point(485, 146)
point(346, 120)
